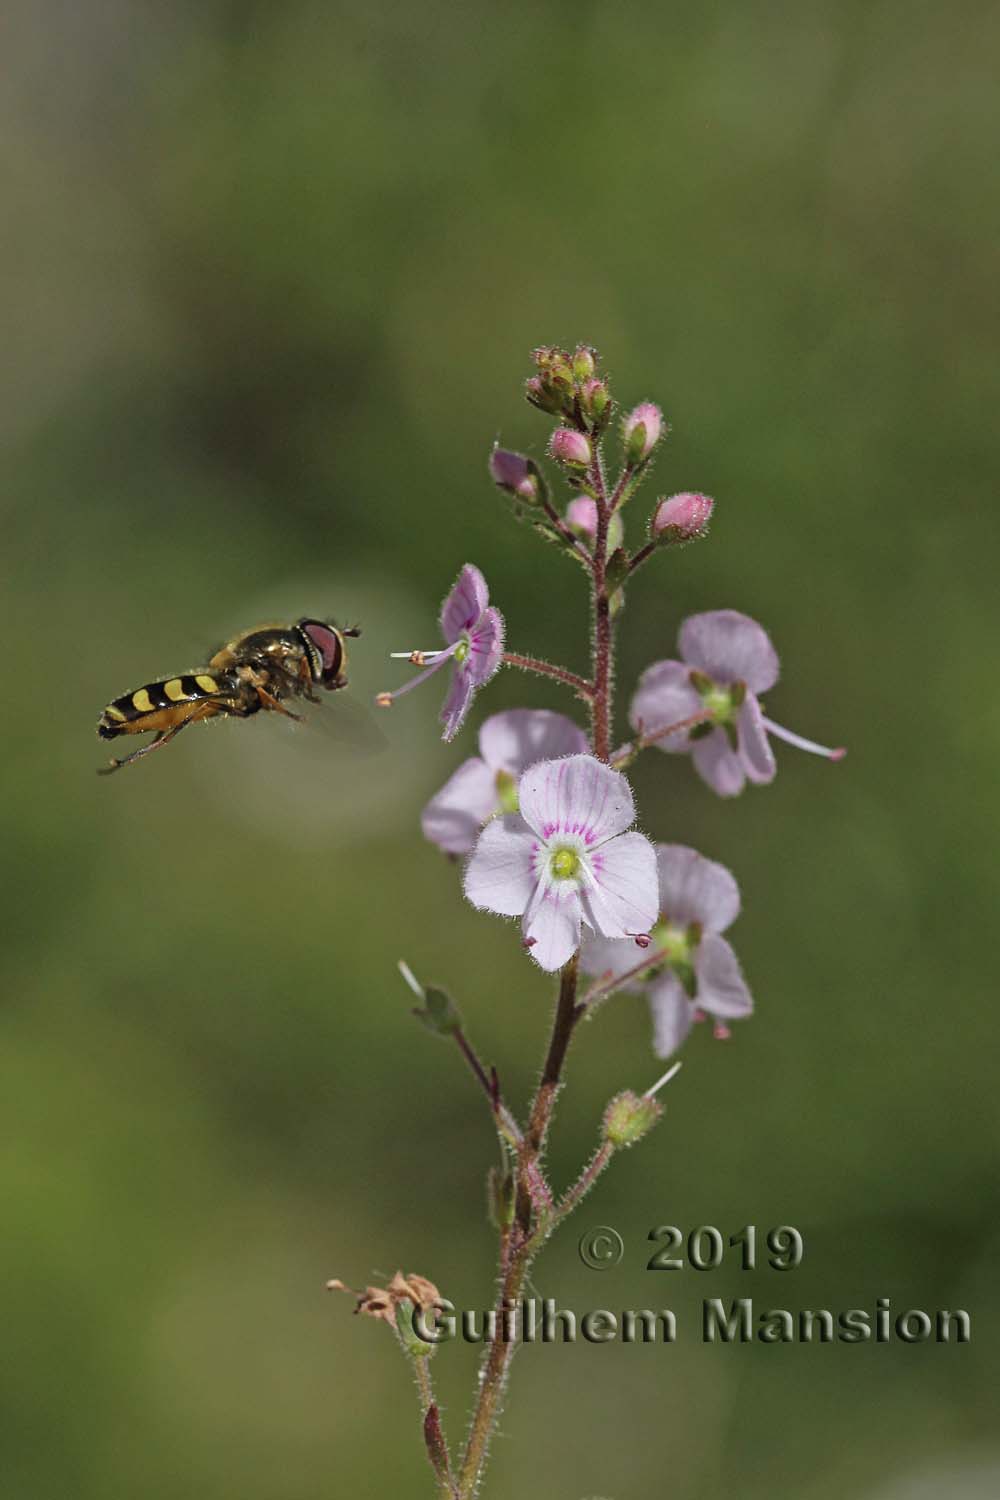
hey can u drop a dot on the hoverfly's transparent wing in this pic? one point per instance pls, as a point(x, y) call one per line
point(345, 724)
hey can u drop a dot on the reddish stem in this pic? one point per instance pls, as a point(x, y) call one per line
point(546, 669)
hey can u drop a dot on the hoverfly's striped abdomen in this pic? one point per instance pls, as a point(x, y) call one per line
point(171, 693)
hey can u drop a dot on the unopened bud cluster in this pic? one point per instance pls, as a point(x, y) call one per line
point(570, 386)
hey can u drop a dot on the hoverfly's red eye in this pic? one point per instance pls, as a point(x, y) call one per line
point(327, 643)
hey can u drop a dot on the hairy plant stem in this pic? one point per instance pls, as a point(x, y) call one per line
point(630, 752)
point(534, 1212)
point(546, 669)
point(600, 703)
point(520, 1245)
point(506, 1125)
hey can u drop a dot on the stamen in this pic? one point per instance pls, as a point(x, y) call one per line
point(802, 744)
point(418, 658)
point(670, 1073)
point(439, 658)
point(721, 1031)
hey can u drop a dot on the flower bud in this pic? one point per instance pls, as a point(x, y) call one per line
point(584, 363)
point(595, 399)
point(581, 518)
point(641, 431)
point(681, 518)
point(541, 394)
point(629, 1116)
point(548, 355)
point(569, 447)
point(439, 1013)
point(515, 474)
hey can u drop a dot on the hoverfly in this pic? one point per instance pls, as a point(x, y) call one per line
point(256, 670)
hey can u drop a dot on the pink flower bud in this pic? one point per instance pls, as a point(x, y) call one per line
point(569, 447)
point(642, 430)
point(541, 394)
point(594, 398)
point(581, 517)
point(514, 473)
point(581, 514)
point(682, 518)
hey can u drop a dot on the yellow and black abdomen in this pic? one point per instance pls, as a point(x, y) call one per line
point(162, 705)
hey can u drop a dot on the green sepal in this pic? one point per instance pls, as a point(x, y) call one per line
point(700, 681)
point(439, 1013)
point(628, 1117)
point(701, 731)
point(415, 1346)
point(616, 570)
point(737, 694)
point(685, 973)
point(500, 1197)
point(731, 735)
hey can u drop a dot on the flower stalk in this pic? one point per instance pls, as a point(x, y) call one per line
point(544, 819)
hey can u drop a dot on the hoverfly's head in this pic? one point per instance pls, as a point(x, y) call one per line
point(325, 652)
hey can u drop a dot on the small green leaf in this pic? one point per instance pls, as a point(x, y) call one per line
point(439, 1012)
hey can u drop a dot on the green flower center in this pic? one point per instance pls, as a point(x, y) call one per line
point(722, 702)
point(674, 942)
point(506, 786)
point(564, 863)
point(462, 649)
point(676, 947)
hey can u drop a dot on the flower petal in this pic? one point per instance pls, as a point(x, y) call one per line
point(464, 604)
point(663, 697)
point(625, 898)
point(520, 737)
point(578, 795)
point(500, 875)
point(457, 702)
point(755, 748)
point(673, 1014)
point(722, 990)
point(730, 647)
point(485, 646)
point(696, 889)
point(718, 764)
point(454, 815)
point(602, 956)
point(554, 925)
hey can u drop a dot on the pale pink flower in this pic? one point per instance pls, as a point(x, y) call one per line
point(565, 859)
point(727, 661)
point(509, 742)
point(688, 968)
point(474, 632)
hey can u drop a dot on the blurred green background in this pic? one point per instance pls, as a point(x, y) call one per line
point(270, 277)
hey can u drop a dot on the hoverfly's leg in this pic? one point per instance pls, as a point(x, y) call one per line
point(164, 736)
point(269, 701)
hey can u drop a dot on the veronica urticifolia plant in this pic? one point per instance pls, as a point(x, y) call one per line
point(544, 819)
